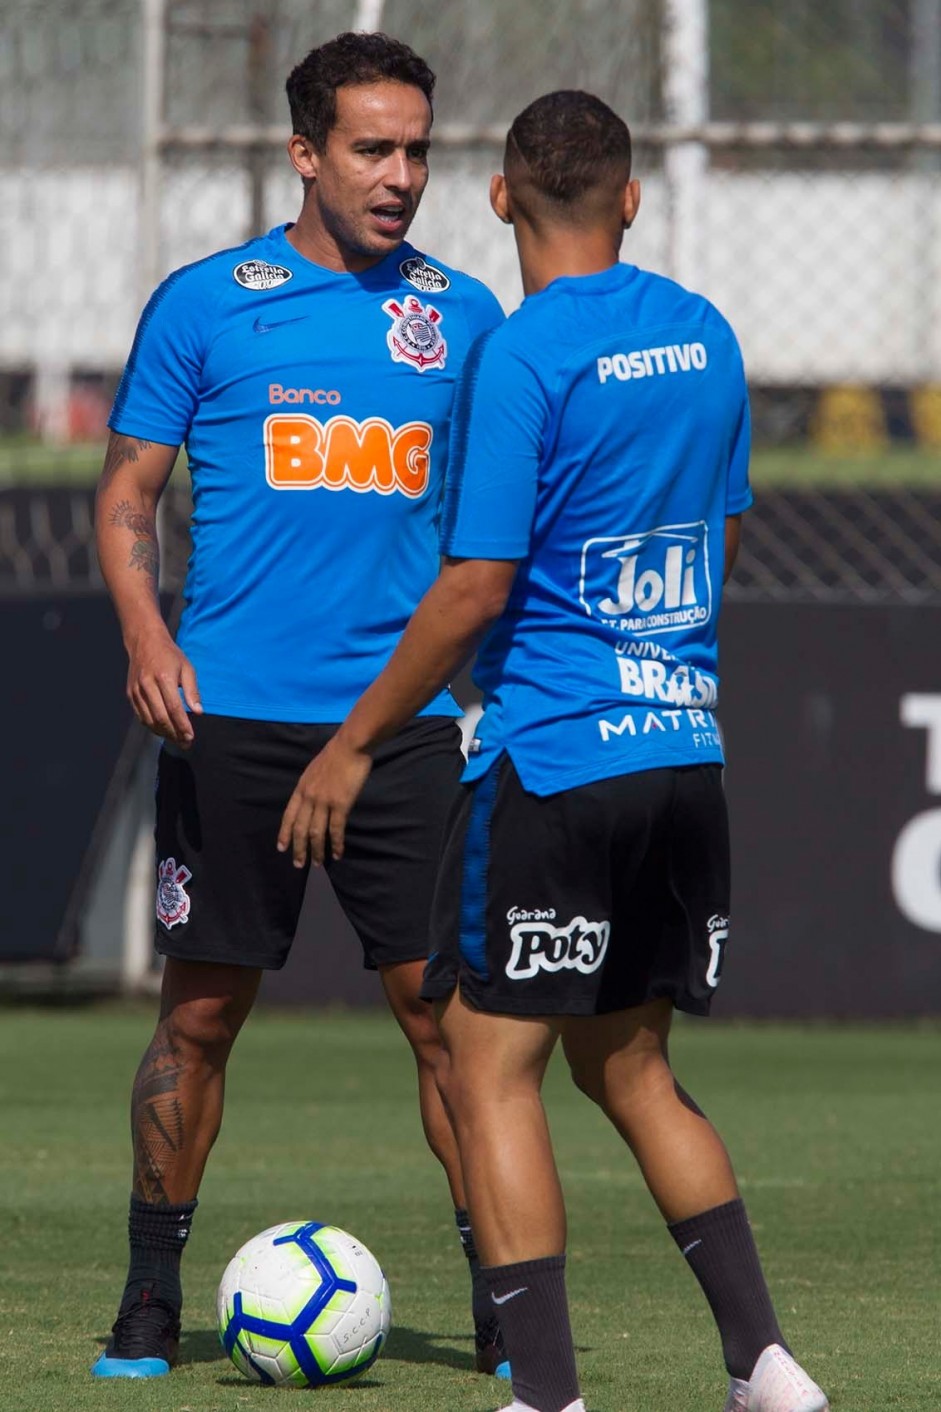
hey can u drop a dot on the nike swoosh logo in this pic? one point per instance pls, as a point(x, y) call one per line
point(261, 327)
point(504, 1298)
point(692, 1246)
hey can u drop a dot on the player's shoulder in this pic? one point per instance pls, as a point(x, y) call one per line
point(431, 276)
point(519, 342)
point(662, 297)
point(249, 266)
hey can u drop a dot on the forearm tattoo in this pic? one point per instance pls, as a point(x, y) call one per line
point(145, 554)
point(156, 1118)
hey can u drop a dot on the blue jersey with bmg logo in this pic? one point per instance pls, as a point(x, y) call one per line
point(601, 437)
point(315, 408)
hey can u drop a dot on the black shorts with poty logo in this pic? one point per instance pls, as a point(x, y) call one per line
point(225, 893)
point(592, 900)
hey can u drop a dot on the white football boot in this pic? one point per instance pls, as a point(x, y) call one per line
point(777, 1384)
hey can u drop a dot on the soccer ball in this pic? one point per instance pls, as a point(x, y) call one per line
point(305, 1304)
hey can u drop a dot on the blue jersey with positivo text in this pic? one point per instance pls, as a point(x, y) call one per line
point(315, 407)
point(601, 437)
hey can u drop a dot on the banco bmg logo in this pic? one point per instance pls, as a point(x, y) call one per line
point(655, 581)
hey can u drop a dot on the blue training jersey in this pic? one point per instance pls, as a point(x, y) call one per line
point(315, 408)
point(600, 436)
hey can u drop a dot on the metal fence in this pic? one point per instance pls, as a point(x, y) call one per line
point(790, 152)
point(790, 155)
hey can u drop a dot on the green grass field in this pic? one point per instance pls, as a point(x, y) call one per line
point(24, 462)
point(834, 1132)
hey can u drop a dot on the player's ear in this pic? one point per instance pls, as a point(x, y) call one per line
point(304, 159)
point(499, 198)
point(631, 203)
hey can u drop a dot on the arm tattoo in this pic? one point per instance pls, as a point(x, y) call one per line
point(145, 555)
point(156, 1117)
point(121, 449)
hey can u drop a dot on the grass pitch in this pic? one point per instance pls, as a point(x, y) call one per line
point(28, 462)
point(834, 1132)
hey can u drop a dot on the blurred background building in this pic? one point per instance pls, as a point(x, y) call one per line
point(789, 152)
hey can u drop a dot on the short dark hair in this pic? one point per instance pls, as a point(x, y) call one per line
point(349, 59)
point(570, 142)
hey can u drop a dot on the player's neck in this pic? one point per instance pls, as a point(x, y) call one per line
point(566, 251)
point(312, 240)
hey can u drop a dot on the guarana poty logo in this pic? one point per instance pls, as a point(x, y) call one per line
point(538, 944)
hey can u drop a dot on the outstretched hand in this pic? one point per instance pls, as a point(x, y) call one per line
point(321, 803)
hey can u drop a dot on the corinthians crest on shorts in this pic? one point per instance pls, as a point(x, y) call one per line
point(173, 901)
point(415, 337)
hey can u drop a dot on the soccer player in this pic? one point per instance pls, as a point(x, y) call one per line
point(310, 373)
point(597, 478)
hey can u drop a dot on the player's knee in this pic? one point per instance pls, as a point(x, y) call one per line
point(417, 1022)
point(589, 1081)
point(204, 1030)
point(618, 1089)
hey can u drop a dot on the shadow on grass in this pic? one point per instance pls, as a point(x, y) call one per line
point(201, 1346)
point(416, 1346)
point(354, 1385)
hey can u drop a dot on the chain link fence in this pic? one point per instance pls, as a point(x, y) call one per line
point(790, 156)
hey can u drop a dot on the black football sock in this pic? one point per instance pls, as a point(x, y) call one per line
point(720, 1249)
point(480, 1293)
point(157, 1235)
point(529, 1299)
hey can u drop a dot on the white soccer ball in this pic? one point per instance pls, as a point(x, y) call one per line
point(305, 1304)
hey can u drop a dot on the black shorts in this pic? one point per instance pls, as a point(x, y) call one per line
point(596, 899)
point(224, 892)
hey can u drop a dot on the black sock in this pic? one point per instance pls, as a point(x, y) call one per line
point(157, 1235)
point(529, 1299)
point(720, 1249)
point(480, 1293)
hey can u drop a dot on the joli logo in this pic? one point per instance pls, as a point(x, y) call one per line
point(652, 582)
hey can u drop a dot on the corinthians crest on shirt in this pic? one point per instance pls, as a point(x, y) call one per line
point(415, 336)
point(173, 901)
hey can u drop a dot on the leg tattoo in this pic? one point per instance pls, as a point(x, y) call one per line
point(156, 1117)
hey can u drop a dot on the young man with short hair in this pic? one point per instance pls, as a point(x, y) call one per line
point(598, 474)
point(310, 373)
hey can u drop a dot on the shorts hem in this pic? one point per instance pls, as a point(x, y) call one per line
point(376, 963)
point(261, 963)
point(439, 989)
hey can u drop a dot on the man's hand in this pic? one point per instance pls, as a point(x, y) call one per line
point(156, 673)
point(467, 596)
point(321, 803)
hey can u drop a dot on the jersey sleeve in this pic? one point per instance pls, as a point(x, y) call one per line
point(739, 495)
point(738, 492)
point(497, 432)
point(483, 310)
point(158, 392)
